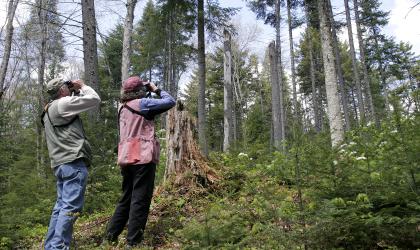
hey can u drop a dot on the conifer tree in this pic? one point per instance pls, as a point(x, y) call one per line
point(334, 113)
point(356, 75)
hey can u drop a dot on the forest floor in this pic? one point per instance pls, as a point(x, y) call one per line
point(233, 210)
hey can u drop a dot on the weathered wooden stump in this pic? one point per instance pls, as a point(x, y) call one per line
point(185, 165)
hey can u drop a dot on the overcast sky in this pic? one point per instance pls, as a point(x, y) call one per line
point(403, 23)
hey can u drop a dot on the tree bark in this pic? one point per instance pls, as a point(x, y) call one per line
point(334, 113)
point(171, 65)
point(356, 76)
point(280, 76)
point(344, 100)
point(227, 94)
point(382, 76)
point(275, 96)
point(202, 79)
point(315, 97)
point(42, 18)
point(90, 53)
point(183, 154)
point(370, 106)
point(127, 38)
point(292, 59)
point(7, 44)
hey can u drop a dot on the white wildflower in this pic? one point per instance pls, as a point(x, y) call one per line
point(352, 143)
point(394, 131)
point(360, 158)
point(242, 155)
point(335, 162)
point(369, 124)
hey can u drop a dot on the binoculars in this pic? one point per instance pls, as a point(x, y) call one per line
point(70, 85)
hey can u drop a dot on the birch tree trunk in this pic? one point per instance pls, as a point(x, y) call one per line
point(201, 79)
point(227, 94)
point(344, 100)
point(334, 113)
point(185, 164)
point(127, 37)
point(356, 77)
point(275, 96)
point(368, 92)
point(280, 76)
point(90, 53)
point(315, 97)
point(11, 9)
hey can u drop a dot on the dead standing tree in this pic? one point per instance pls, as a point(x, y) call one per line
point(185, 164)
point(7, 43)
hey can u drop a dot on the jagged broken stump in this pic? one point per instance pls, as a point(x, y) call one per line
point(185, 165)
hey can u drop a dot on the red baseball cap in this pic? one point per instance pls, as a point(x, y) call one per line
point(132, 83)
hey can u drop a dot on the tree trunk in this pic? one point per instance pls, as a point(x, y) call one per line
point(170, 74)
point(344, 100)
point(356, 114)
point(315, 97)
point(7, 44)
point(275, 96)
point(42, 18)
point(90, 53)
point(334, 113)
point(184, 158)
point(280, 84)
point(201, 79)
point(366, 79)
point(382, 76)
point(356, 77)
point(127, 37)
point(228, 95)
point(292, 58)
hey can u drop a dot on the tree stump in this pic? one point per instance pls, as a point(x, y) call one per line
point(185, 164)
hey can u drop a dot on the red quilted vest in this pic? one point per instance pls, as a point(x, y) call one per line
point(138, 143)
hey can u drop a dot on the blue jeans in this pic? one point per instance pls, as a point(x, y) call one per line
point(71, 185)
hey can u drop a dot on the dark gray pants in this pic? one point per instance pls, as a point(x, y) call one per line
point(134, 204)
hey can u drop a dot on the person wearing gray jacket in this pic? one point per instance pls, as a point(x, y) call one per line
point(69, 152)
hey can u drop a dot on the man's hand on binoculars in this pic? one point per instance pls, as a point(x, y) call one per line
point(77, 84)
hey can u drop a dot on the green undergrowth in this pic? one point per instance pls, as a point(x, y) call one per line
point(362, 195)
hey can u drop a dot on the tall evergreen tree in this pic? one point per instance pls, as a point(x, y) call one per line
point(371, 20)
point(368, 91)
point(344, 100)
point(334, 113)
point(360, 102)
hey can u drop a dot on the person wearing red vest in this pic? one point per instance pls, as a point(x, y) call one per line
point(138, 155)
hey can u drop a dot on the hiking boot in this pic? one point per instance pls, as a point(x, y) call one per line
point(109, 241)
